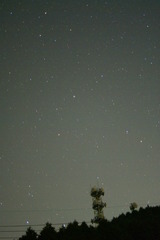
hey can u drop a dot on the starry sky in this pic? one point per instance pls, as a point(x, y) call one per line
point(79, 106)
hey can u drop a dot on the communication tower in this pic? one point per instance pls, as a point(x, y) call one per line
point(97, 204)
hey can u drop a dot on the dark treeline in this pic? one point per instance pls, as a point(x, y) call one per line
point(143, 224)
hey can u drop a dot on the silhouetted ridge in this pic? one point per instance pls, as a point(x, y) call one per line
point(143, 224)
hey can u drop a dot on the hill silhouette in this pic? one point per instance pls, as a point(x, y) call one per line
point(143, 224)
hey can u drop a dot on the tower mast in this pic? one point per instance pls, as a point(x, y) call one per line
point(97, 204)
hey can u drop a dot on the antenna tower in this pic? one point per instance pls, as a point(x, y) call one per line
point(97, 204)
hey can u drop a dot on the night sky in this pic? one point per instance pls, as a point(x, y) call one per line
point(79, 106)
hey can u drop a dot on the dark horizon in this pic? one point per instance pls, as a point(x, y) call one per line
point(142, 223)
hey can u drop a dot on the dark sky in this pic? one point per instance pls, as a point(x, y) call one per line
point(79, 106)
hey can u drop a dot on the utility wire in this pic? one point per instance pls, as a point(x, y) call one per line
point(34, 225)
point(53, 224)
point(22, 225)
point(9, 238)
point(24, 231)
point(15, 231)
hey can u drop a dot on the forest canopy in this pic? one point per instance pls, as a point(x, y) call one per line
point(141, 224)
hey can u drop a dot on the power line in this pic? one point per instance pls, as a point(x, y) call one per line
point(24, 231)
point(37, 225)
point(15, 231)
point(56, 224)
point(22, 225)
point(9, 238)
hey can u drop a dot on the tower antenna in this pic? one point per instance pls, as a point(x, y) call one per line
point(97, 204)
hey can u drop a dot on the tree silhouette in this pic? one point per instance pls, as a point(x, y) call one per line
point(30, 235)
point(48, 233)
point(143, 224)
point(133, 206)
point(72, 230)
